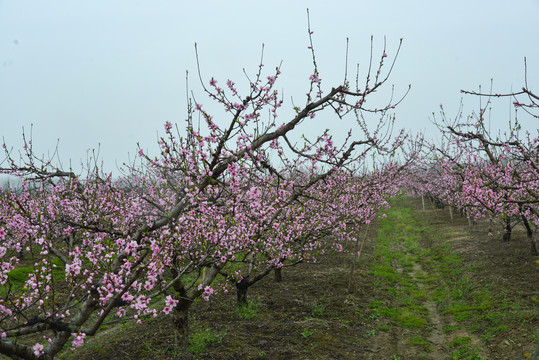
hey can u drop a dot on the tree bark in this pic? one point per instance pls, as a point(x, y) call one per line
point(507, 230)
point(15, 350)
point(278, 274)
point(241, 290)
point(247, 281)
point(530, 232)
point(534, 245)
point(180, 317)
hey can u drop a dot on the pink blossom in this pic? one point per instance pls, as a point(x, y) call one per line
point(78, 339)
point(169, 301)
point(131, 247)
point(38, 349)
point(208, 290)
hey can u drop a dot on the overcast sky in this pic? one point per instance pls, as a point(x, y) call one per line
point(110, 73)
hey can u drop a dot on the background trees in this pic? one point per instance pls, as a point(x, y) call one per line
point(486, 174)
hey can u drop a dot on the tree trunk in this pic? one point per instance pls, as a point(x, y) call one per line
point(530, 232)
point(180, 320)
point(247, 281)
point(507, 230)
point(533, 242)
point(241, 291)
point(278, 274)
point(434, 209)
point(180, 314)
point(355, 258)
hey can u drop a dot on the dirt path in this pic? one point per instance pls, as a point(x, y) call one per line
point(436, 337)
point(407, 307)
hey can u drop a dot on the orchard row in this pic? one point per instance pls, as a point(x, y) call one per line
point(225, 204)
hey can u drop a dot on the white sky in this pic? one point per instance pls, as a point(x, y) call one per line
point(112, 72)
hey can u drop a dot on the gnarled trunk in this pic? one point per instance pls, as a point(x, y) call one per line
point(530, 232)
point(507, 230)
point(533, 242)
point(180, 313)
point(241, 290)
point(247, 281)
point(180, 320)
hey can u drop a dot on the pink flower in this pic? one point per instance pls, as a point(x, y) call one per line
point(2, 233)
point(169, 301)
point(140, 152)
point(167, 310)
point(208, 290)
point(78, 340)
point(38, 349)
point(213, 82)
point(131, 247)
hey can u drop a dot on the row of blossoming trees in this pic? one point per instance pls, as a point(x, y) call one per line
point(483, 174)
point(223, 204)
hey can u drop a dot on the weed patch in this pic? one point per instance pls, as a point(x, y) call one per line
point(200, 339)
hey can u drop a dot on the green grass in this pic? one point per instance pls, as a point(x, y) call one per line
point(201, 339)
point(421, 342)
point(248, 311)
point(462, 349)
point(19, 275)
point(397, 248)
point(307, 333)
point(399, 257)
point(318, 309)
point(450, 328)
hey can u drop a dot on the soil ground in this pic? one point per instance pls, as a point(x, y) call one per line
point(425, 287)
